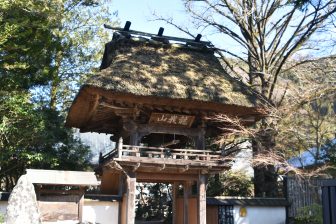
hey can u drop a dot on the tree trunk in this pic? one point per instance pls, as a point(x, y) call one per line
point(265, 177)
point(55, 80)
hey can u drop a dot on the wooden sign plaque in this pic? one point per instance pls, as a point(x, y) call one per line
point(171, 119)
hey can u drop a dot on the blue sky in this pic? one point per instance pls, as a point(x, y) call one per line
point(139, 12)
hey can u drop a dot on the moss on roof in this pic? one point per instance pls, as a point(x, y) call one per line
point(148, 68)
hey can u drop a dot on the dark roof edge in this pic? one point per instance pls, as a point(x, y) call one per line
point(261, 202)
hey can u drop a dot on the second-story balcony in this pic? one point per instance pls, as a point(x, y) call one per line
point(166, 156)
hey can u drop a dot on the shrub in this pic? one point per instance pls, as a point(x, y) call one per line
point(2, 218)
point(311, 214)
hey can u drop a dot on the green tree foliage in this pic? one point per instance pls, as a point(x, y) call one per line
point(25, 39)
point(52, 44)
point(154, 202)
point(230, 183)
point(331, 152)
point(46, 49)
point(35, 138)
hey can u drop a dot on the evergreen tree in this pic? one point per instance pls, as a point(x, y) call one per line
point(46, 49)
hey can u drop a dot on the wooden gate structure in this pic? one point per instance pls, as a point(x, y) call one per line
point(155, 93)
point(329, 201)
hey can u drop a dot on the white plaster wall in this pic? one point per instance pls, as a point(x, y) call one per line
point(261, 215)
point(3, 207)
point(101, 212)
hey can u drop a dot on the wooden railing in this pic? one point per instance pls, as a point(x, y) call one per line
point(131, 151)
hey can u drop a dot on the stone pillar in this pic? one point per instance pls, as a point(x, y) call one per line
point(22, 205)
point(202, 199)
point(130, 198)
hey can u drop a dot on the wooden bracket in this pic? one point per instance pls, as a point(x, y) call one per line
point(136, 167)
point(186, 168)
point(162, 167)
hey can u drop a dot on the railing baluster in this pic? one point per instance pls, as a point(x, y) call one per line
point(120, 146)
point(162, 153)
point(137, 151)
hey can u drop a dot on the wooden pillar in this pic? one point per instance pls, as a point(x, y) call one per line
point(120, 194)
point(130, 198)
point(202, 199)
point(186, 196)
point(175, 192)
point(200, 139)
point(134, 138)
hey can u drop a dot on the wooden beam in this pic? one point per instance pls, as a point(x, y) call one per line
point(187, 104)
point(179, 39)
point(127, 26)
point(167, 177)
point(174, 142)
point(62, 192)
point(198, 37)
point(95, 103)
point(152, 128)
point(112, 106)
point(160, 33)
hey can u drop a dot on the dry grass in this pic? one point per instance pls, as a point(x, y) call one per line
point(147, 69)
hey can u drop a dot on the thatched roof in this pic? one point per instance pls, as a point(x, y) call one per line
point(149, 68)
point(139, 76)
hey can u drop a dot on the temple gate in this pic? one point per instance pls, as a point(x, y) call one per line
point(155, 93)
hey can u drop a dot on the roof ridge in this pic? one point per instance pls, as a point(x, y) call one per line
point(126, 32)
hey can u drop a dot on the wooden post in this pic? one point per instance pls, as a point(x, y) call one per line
point(81, 204)
point(133, 138)
point(175, 192)
point(130, 206)
point(186, 195)
point(200, 139)
point(120, 194)
point(202, 199)
point(120, 146)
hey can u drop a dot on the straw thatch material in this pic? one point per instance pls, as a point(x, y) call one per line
point(149, 68)
point(148, 76)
